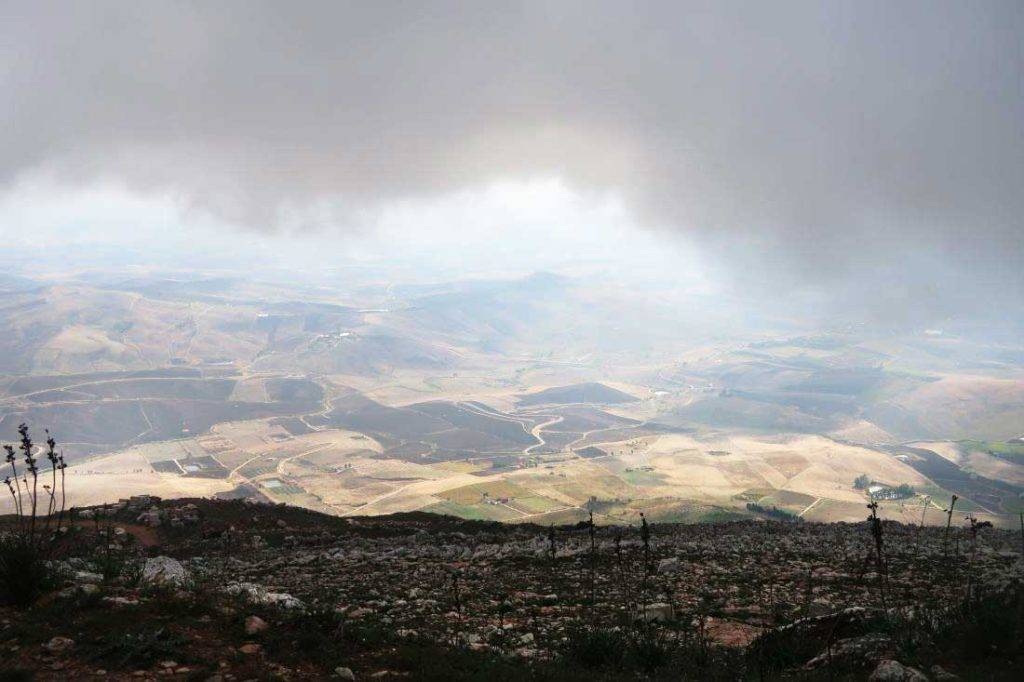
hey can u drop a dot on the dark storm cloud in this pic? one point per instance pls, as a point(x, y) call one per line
point(870, 150)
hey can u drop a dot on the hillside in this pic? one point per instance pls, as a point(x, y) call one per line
point(591, 392)
point(256, 591)
point(519, 398)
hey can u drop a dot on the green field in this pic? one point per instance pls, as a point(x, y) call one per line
point(474, 512)
point(1013, 452)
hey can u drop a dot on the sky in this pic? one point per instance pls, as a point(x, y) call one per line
point(870, 153)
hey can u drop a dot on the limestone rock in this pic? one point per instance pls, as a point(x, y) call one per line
point(88, 578)
point(59, 645)
point(164, 571)
point(940, 674)
point(151, 518)
point(854, 652)
point(257, 594)
point(894, 671)
point(656, 613)
point(255, 625)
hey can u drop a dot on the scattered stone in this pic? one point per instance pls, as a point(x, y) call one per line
point(185, 515)
point(356, 614)
point(152, 518)
point(121, 601)
point(854, 652)
point(656, 613)
point(806, 638)
point(255, 625)
point(59, 645)
point(257, 594)
point(164, 571)
point(511, 601)
point(88, 578)
point(139, 502)
point(894, 671)
point(345, 673)
point(940, 674)
point(88, 589)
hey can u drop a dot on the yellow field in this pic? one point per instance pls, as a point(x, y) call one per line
point(112, 477)
point(337, 471)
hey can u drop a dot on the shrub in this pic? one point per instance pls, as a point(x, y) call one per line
point(649, 647)
point(27, 547)
point(594, 648)
point(140, 649)
point(25, 573)
point(983, 625)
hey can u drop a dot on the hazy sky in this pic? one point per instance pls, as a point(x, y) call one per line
point(872, 151)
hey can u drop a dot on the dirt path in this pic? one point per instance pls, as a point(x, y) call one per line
point(195, 331)
point(536, 432)
point(545, 513)
point(239, 467)
point(328, 406)
point(427, 487)
point(586, 434)
point(60, 389)
point(811, 506)
point(281, 463)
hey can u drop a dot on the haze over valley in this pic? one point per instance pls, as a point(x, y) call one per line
point(535, 396)
point(512, 340)
point(519, 261)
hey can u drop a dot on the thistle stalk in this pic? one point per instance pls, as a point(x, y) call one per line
point(949, 521)
point(26, 447)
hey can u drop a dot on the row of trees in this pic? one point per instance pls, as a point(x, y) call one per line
point(863, 482)
point(772, 512)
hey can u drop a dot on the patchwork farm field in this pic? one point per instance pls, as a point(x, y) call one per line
point(348, 454)
point(379, 398)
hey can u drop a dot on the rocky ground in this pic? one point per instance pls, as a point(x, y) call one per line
point(236, 591)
